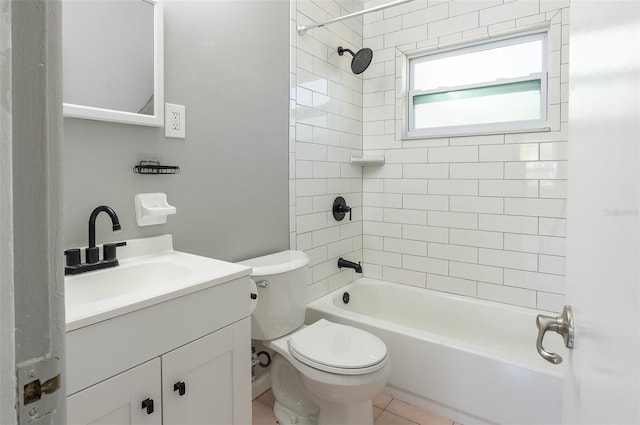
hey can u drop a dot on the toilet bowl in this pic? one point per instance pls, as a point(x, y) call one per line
point(323, 373)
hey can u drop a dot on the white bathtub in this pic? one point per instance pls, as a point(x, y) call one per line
point(470, 360)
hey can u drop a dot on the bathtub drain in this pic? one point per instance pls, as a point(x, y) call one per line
point(345, 298)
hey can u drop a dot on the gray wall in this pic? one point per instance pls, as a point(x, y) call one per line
point(228, 63)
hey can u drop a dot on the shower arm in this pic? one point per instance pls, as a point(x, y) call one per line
point(341, 51)
point(302, 29)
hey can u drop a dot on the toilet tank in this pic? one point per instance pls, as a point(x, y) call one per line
point(282, 280)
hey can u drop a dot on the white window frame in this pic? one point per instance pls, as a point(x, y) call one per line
point(542, 124)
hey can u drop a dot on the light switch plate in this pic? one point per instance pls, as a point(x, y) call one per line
point(174, 121)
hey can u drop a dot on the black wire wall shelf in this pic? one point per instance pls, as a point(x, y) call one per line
point(149, 166)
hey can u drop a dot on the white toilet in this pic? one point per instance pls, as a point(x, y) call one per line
point(324, 373)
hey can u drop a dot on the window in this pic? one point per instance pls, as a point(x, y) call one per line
point(498, 86)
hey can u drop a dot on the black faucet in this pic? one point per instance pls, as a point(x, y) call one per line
point(349, 264)
point(92, 252)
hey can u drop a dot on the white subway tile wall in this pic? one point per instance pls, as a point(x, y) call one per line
point(326, 129)
point(482, 216)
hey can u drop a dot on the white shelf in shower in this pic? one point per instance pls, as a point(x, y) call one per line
point(368, 160)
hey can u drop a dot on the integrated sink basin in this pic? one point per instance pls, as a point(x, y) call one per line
point(150, 272)
point(122, 281)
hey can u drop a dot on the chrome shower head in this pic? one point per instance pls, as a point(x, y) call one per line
point(361, 60)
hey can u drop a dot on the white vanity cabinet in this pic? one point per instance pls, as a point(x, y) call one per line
point(197, 379)
point(190, 355)
point(120, 400)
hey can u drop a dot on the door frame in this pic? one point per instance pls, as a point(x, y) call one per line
point(7, 341)
point(31, 257)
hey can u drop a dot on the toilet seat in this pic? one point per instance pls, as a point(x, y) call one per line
point(336, 348)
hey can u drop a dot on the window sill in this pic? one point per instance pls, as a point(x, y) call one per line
point(439, 133)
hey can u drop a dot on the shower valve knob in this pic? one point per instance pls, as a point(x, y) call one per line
point(340, 208)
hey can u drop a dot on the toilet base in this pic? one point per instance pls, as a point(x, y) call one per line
point(349, 415)
point(289, 417)
point(302, 400)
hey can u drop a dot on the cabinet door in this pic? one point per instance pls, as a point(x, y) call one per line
point(198, 380)
point(119, 400)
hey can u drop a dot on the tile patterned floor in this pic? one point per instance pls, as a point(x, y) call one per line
point(386, 411)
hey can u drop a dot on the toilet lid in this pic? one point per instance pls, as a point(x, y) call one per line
point(336, 348)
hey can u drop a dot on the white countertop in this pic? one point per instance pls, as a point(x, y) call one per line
point(150, 272)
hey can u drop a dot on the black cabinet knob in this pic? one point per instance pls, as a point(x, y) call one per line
point(148, 404)
point(180, 387)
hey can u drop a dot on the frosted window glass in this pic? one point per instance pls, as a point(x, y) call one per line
point(478, 106)
point(484, 66)
point(492, 87)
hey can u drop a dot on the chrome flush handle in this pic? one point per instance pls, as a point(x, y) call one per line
point(562, 325)
point(262, 284)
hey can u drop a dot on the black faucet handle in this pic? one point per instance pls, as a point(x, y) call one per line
point(109, 250)
point(73, 256)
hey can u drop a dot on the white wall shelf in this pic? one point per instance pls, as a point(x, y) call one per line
point(368, 160)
